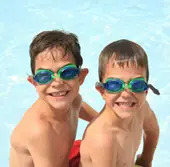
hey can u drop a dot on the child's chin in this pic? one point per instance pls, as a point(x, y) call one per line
point(123, 114)
point(62, 105)
point(124, 111)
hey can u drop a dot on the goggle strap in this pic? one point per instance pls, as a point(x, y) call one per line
point(99, 84)
point(154, 90)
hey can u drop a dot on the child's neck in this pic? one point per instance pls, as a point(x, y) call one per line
point(51, 113)
point(123, 123)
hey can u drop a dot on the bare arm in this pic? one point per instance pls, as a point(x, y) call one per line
point(151, 135)
point(87, 113)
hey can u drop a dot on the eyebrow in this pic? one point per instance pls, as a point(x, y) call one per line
point(128, 80)
point(43, 69)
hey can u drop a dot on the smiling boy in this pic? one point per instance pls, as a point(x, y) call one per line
point(112, 139)
point(45, 135)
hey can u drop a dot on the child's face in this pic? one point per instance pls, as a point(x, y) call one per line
point(124, 103)
point(59, 93)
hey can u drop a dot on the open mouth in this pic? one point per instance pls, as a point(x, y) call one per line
point(125, 104)
point(59, 94)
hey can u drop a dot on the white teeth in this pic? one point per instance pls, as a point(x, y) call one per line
point(125, 104)
point(62, 93)
point(59, 93)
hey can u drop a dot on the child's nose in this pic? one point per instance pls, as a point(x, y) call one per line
point(57, 80)
point(126, 91)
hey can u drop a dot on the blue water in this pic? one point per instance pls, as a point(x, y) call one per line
point(96, 23)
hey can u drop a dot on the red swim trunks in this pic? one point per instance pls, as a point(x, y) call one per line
point(74, 157)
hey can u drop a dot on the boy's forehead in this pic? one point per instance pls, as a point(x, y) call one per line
point(124, 64)
point(128, 71)
point(53, 54)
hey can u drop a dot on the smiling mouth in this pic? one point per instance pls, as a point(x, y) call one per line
point(59, 94)
point(125, 104)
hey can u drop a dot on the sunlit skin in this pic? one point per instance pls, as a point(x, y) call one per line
point(125, 103)
point(59, 94)
point(45, 135)
point(114, 137)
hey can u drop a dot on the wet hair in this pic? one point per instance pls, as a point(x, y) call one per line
point(123, 52)
point(55, 38)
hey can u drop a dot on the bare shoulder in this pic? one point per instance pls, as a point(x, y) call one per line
point(100, 144)
point(30, 126)
point(150, 120)
point(143, 112)
point(36, 136)
point(100, 133)
point(20, 132)
point(147, 111)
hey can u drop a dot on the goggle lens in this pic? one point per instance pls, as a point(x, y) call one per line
point(43, 76)
point(67, 72)
point(113, 85)
point(138, 85)
point(116, 85)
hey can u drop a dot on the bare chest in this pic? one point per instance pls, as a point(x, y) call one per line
point(65, 134)
point(128, 145)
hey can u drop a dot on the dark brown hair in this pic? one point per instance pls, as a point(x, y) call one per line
point(55, 38)
point(123, 52)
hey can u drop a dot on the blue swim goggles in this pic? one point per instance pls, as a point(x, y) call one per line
point(45, 76)
point(116, 85)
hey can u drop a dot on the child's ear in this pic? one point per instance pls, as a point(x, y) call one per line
point(31, 80)
point(83, 74)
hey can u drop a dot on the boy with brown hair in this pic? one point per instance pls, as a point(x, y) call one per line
point(45, 135)
point(112, 139)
